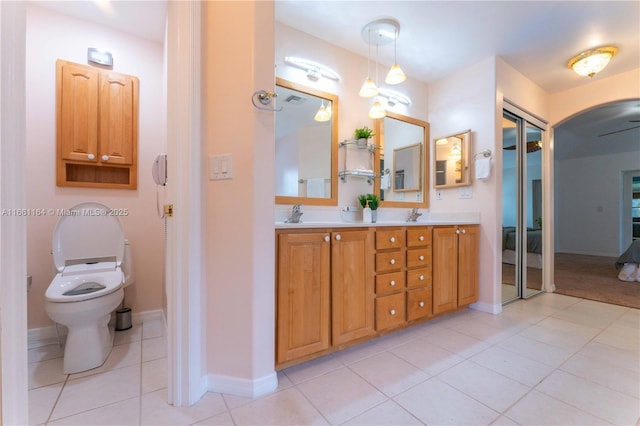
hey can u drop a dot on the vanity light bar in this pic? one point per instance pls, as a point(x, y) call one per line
point(394, 97)
point(313, 69)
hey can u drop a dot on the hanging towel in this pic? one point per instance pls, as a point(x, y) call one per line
point(385, 182)
point(315, 188)
point(483, 167)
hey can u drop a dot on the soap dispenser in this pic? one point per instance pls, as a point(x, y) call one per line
point(366, 213)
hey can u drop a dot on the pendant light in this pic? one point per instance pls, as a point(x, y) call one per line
point(323, 113)
point(377, 110)
point(395, 74)
point(369, 88)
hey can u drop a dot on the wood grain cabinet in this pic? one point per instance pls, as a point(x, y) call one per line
point(97, 127)
point(390, 278)
point(324, 291)
point(455, 267)
point(419, 273)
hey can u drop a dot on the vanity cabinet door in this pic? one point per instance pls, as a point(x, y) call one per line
point(302, 307)
point(118, 118)
point(445, 269)
point(352, 285)
point(468, 264)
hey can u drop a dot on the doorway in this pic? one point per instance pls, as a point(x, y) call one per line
point(522, 217)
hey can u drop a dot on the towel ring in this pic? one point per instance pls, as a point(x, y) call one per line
point(486, 153)
point(264, 98)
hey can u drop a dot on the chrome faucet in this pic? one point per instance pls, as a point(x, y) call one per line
point(414, 214)
point(294, 216)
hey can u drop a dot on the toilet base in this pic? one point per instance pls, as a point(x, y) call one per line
point(87, 347)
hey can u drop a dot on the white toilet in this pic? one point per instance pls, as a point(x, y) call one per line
point(91, 255)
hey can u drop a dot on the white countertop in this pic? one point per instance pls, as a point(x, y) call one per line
point(458, 218)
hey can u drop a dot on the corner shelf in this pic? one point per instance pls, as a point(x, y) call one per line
point(366, 173)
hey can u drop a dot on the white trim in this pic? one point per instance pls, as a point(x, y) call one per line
point(243, 387)
point(13, 236)
point(184, 253)
point(486, 307)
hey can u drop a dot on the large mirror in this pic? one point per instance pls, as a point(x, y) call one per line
point(451, 157)
point(401, 161)
point(306, 145)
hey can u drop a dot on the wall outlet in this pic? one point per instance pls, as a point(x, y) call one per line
point(438, 194)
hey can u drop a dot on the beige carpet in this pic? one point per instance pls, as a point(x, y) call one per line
point(594, 278)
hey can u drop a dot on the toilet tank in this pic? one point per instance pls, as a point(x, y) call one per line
point(127, 265)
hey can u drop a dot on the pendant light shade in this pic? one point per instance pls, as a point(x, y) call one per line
point(368, 89)
point(395, 75)
point(377, 111)
point(323, 114)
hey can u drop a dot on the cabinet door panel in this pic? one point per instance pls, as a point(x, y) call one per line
point(468, 241)
point(445, 269)
point(352, 285)
point(118, 118)
point(77, 112)
point(303, 295)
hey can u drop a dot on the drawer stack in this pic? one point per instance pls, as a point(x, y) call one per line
point(403, 276)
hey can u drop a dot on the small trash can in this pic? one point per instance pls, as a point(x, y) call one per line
point(123, 319)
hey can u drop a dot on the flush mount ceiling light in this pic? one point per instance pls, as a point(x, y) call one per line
point(394, 97)
point(314, 70)
point(591, 62)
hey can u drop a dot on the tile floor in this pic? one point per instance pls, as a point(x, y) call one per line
point(551, 360)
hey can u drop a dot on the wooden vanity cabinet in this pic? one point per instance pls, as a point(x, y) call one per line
point(97, 127)
point(390, 278)
point(324, 291)
point(455, 267)
point(419, 273)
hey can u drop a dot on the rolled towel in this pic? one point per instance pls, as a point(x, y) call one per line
point(628, 272)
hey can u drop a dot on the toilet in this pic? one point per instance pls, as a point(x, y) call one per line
point(93, 260)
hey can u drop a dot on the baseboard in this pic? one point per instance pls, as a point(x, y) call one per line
point(242, 387)
point(486, 307)
point(44, 336)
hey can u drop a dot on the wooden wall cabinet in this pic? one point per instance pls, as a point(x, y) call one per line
point(455, 267)
point(324, 291)
point(97, 127)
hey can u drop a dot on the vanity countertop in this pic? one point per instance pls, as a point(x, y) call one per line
point(467, 219)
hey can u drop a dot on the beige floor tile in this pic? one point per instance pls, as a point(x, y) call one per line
point(359, 352)
point(577, 330)
point(456, 342)
point(605, 373)
point(43, 353)
point(435, 402)
point(133, 334)
point(624, 358)
point(41, 402)
point(428, 357)
point(287, 407)
point(234, 401)
point(484, 332)
point(620, 336)
point(341, 395)
point(537, 408)
point(490, 388)
point(553, 356)
point(595, 399)
point(86, 393)
point(512, 365)
point(598, 309)
point(388, 373)
point(386, 414)
point(504, 421)
point(555, 337)
point(153, 328)
point(156, 411)
point(154, 348)
point(631, 318)
point(222, 419)
point(314, 368)
point(121, 413)
point(124, 355)
point(154, 375)
point(46, 373)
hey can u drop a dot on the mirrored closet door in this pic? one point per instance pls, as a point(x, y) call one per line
point(522, 221)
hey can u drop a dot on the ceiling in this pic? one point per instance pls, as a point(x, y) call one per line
point(438, 38)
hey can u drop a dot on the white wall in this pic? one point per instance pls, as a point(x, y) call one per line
point(52, 36)
point(589, 203)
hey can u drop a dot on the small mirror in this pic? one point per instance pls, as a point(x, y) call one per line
point(306, 145)
point(451, 154)
point(401, 161)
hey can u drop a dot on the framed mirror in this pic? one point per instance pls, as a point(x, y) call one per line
point(401, 161)
point(306, 162)
point(451, 160)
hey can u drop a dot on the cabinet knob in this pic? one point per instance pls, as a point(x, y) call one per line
point(326, 238)
point(421, 304)
point(457, 231)
point(392, 283)
point(91, 156)
point(392, 261)
point(392, 239)
point(338, 237)
point(421, 237)
point(421, 257)
point(105, 157)
point(392, 311)
point(464, 231)
point(421, 277)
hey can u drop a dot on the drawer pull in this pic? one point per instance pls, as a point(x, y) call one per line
point(392, 261)
point(91, 156)
point(392, 311)
point(338, 237)
point(421, 237)
point(421, 304)
point(105, 157)
point(392, 283)
point(421, 258)
point(392, 239)
point(464, 231)
point(421, 277)
point(327, 239)
point(457, 231)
